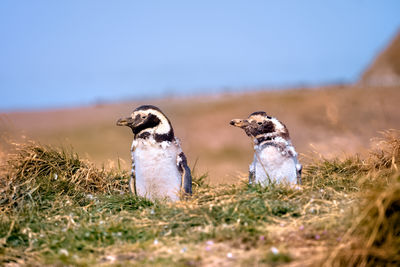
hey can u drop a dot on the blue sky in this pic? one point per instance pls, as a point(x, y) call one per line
point(68, 53)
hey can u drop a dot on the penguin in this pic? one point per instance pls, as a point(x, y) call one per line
point(275, 159)
point(159, 166)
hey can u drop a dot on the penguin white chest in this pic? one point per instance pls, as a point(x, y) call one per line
point(157, 175)
point(271, 165)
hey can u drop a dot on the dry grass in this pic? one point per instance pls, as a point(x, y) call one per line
point(81, 218)
point(35, 172)
point(374, 237)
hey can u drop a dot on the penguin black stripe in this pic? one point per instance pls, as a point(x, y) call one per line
point(144, 135)
point(147, 107)
point(164, 137)
point(262, 113)
point(151, 121)
point(263, 139)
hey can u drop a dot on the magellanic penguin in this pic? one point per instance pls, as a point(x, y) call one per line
point(159, 167)
point(275, 159)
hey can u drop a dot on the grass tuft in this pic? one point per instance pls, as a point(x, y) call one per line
point(374, 237)
point(37, 174)
point(386, 154)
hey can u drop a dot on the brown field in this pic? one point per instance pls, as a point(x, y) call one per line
point(60, 211)
point(329, 121)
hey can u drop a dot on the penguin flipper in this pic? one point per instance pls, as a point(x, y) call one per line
point(292, 153)
point(186, 184)
point(252, 176)
point(299, 168)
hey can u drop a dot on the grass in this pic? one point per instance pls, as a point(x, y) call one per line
point(374, 237)
point(59, 210)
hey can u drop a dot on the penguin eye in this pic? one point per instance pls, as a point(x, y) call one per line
point(259, 123)
point(143, 116)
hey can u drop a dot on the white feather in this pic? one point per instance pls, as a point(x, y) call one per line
point(271, 165)
point(157, 175)
point(278, 125)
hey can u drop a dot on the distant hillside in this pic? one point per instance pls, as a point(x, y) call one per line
point(329, 121)
point(385, 69)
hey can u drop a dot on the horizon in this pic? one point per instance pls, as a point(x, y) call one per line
point(57, 55)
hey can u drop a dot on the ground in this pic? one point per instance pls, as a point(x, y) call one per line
point(62, 209)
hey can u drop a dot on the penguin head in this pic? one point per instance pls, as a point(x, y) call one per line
point(148, 120)
point(259, 124)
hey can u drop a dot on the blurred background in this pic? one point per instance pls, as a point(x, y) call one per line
point(329, 70)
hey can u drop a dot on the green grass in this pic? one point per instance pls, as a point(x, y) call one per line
point(58, 209)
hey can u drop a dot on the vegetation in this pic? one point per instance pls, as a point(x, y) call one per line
point(59, 210)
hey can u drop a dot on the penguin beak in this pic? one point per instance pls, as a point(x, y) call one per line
point(239, 123)
point(125, 122)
